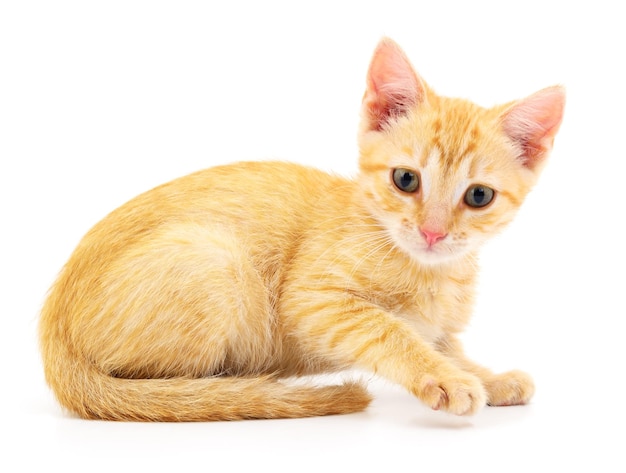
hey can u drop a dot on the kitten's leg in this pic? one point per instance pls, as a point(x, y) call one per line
point(351, 332)
point(196, 307)
point(503, 389)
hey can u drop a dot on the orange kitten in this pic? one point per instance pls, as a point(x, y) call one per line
point(195, 300)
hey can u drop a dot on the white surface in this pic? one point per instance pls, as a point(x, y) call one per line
point(99, 102)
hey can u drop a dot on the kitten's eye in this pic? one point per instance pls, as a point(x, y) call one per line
point(479, 196)
point(406, 180)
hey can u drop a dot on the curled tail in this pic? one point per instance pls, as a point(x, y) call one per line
point(88, 392)
point(210, 399)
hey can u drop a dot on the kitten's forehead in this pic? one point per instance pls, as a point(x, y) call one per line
point(452, 149)
point(452, 136)
point(441, 180)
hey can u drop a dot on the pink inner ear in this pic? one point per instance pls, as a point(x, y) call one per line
point(533, 122)
point(392, 85)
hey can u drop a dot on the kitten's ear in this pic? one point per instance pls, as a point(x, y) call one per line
point(393, 87)
point(533, 122)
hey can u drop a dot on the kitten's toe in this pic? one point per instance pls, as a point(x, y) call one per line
point(509, 389)
point(460, 395)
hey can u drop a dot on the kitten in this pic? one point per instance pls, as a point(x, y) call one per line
point(195, 300)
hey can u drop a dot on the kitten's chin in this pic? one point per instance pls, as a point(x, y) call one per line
point(438, 255)
point(435, 258)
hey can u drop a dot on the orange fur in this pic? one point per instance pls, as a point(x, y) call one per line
point(196, 300)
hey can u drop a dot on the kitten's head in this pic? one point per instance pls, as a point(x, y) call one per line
point(443, 174)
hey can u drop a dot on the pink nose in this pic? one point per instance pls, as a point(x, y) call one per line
point(432, 237)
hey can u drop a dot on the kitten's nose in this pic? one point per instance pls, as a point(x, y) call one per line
point(432, 236)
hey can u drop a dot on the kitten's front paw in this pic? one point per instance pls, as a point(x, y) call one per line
point(461, 395)
point(509, 389)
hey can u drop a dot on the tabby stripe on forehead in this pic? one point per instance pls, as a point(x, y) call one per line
point(452, 158)
point(451, 154)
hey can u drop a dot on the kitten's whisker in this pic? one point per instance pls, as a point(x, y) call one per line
point(370, 242)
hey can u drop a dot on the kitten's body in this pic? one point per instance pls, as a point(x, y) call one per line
point(191, 301)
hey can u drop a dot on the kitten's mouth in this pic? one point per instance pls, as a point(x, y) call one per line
point(431, 254)
point(435, 254)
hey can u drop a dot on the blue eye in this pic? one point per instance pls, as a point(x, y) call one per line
point(479, 196)
point(406, 180)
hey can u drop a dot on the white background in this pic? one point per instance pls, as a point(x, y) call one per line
point(100, 101)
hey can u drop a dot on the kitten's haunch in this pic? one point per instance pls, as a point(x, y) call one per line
point(198, 299)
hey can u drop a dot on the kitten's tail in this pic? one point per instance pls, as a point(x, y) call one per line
point(85, 390)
